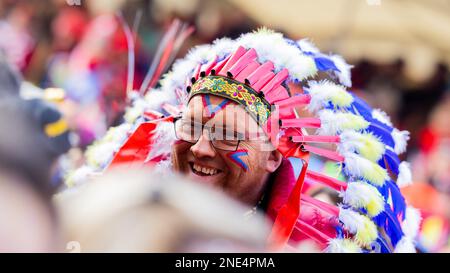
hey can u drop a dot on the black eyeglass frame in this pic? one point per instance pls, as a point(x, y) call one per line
point(208, 128)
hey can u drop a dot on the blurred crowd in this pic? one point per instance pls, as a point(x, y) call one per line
point(63, 81)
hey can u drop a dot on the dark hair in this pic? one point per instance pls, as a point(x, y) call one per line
point(22, 149)
point(10, 79)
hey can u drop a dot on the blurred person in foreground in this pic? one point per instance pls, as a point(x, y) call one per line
point(155, 213)
point(228, 116)
point(26, 213)
point(32, 137)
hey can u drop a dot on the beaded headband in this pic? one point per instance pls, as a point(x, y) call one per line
point(254, 102)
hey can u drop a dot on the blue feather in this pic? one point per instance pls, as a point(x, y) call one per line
point(384, 191)
point(361, 108)
point(325, 64)
point(390, 224)
point(381, 163)
point(380, 219)
point(383, 245)
point(392, 160)
point(398, 201)
point(380, 131)
point(382, 125)
point(339, 231)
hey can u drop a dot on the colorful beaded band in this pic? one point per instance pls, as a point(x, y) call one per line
point(238, 92)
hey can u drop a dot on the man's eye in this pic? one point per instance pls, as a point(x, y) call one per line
point(191, 129)
point(234, 136)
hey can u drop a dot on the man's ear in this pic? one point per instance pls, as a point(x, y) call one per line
point(274, 161)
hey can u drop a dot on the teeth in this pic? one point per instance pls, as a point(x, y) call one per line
point(205, 170)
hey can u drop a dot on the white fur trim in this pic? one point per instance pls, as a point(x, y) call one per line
point(156, 98)
point(201, 54)
point(272, 46)
point(223, 47)
point(163, 167)
point(365, 144)
point(333, 123)
point(338, 245)
point(358, 166)
point(381, 116)
point(364, 229)
point(79, 176)
point(411, 224)
point(181, 70)
point(404, 177)
point(307, 46)
point(345, 74)
point(405, 245)
point(162, 140)
point(401, 140)
point(325, 91)
point(362, 195)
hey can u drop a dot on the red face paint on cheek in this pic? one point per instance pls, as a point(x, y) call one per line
point(237, 157)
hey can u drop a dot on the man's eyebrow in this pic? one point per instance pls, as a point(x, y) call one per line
point(192, 119)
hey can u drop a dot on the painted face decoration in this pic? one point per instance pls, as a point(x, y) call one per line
point(238, 158)
point(211, 109)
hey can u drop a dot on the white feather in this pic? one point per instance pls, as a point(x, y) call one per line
point(359, 167)
point(401, 140)
point(182, 69)
point(381, 116)
point(156, 98)
point(162, 140)
point(307, 46)
point(350, 219)
point(101, 151)
point(411, 224)
point(201, 54)
point(163, 167)
point(136, 110)
point(364, 144)
point(345, 74)
point(100, 154)
point(79, 176)
point(338, 245)
point(364, 229)
point(362, 195)
point(405, 245)
point(223, 47)
point(325, 91)
point(404, 177)
point(336, 122)
point(271, 46)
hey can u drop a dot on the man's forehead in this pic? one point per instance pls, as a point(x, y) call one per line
point(205, 108)
point(211, 106)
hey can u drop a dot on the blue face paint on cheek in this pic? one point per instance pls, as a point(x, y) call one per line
point(237, 157)
point(212, 110)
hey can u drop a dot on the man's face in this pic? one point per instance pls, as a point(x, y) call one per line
point(240, 168)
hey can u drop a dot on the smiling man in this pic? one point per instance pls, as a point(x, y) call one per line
point(221, 145)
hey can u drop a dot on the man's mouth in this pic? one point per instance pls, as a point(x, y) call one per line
point(202, 170)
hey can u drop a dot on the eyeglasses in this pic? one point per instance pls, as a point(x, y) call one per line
point(221, 138)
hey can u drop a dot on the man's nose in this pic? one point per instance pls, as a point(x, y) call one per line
point(203, 147)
